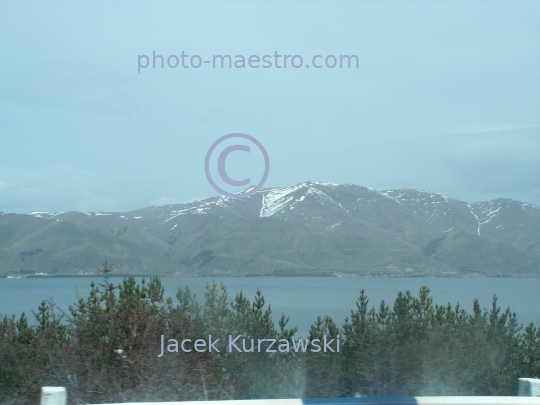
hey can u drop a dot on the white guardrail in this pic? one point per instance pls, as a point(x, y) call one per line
point(529, 394)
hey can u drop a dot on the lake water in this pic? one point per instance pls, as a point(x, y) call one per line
point(302, 299)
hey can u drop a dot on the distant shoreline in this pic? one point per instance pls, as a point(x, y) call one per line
point(123, 275)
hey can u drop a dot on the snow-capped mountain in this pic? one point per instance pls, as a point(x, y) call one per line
point(308, 228)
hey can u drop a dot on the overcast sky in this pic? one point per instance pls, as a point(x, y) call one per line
point(446, 98)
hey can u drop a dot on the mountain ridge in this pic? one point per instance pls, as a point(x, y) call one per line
point(311, 228)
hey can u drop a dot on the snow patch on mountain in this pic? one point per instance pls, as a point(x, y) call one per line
point(329, 227)
point(484, 212)
point(428, 204)
point(389, 194)
point(276, 199)
point(332, 185)
point(416, 196)
point(47, 215)
point(199, 207)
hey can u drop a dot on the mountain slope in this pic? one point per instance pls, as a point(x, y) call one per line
point(306, 229)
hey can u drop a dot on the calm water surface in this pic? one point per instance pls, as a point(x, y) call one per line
point(302, 299)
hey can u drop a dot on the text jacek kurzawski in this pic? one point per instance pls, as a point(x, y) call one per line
point(239, 344)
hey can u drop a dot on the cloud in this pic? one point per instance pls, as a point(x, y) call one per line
point(88, 91)
point(45, 188)
point(68, 188)
point(481, 128)
point(166, 201)
point(472, 167)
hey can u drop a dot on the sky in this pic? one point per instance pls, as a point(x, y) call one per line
point(445, 98)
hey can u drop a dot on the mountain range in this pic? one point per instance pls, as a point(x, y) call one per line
point(306, 229)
